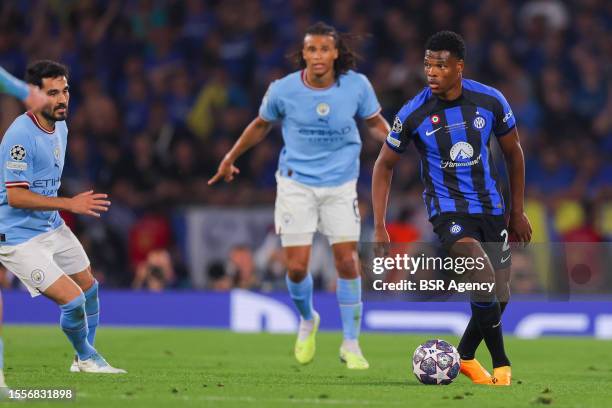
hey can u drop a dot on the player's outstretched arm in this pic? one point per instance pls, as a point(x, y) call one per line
point(253, 134)
point(379, 127)
point(519, 225)
point(381, 184)
point(87, 203)
point(31, 95)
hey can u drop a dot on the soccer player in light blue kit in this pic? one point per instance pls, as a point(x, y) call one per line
point(34, 99)
point(35, 244)
point(317, 175)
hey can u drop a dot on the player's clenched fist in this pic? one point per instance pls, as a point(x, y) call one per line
point(89, 203)
point(226, 171)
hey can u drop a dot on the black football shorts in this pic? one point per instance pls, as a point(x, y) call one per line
point(490, 230)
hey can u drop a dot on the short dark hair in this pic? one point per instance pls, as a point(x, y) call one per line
point(38, 70)
point(447, 41)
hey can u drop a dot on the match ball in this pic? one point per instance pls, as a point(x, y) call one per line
point(436, 362)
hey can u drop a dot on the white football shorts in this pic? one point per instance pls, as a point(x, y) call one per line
point(302, 210)
point(41, 260)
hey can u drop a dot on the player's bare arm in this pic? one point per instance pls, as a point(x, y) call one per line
point(381, 184)
point(378, 127)
point(86, 203)
point(519, 225)
point(254, 133)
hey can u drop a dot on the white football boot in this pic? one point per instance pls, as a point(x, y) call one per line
point(74, 367)
point(97, 364)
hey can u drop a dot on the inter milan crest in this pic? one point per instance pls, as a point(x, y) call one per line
point(18, 152)
point(479, 122)
point(455, 228)
point(323, 109)
point(435, 119)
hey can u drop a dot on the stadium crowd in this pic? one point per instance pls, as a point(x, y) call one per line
point(160, 90)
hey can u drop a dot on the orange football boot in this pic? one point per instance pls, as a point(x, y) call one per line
point(475, 372)
point(502, 375)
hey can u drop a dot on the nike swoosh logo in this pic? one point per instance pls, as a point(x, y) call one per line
point(428, 133)
point(503, 260)
point(498, 323)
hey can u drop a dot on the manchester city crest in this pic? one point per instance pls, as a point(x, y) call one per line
point(323, 109)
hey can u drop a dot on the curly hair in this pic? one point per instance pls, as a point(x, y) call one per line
point(347, 57)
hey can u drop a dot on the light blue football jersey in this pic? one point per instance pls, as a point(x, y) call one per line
point(33, 158)
point(322, 142)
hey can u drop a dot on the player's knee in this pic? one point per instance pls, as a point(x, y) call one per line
point(346, 265)
point(84, 279)
point(63, 291)
point(297, 269)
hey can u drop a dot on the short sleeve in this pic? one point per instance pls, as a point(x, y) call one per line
point(400, 135)
point(13, 86)
point(504, 118)
point(271, 109)
point(17, 160)
point(368, 103)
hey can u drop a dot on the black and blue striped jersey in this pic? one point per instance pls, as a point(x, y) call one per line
point(453, 138)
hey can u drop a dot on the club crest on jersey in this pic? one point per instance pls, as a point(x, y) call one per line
point(323, 109)
point(37, 276)
point(18, 152)
point(455, 228)
point(435, 119)
point(397, 125)
point(56, 153)
point(479, 122)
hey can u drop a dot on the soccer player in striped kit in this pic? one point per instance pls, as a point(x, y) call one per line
point(452, 123)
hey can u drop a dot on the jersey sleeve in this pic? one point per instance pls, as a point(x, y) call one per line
point(13, 86)
point(17, 153)
point(504, 118)
point(271, 109)
point(368, 103)
point(401, 131)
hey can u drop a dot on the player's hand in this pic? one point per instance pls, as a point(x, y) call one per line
point(226, 171)
point(89, 203)
point(381, 241)
point(520, 228)
point(36, 99)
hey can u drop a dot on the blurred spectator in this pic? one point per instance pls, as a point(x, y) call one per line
point(155, 273)
point(218, 280)
point(241, 267)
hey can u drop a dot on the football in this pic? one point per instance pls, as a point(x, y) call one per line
point(436, 362)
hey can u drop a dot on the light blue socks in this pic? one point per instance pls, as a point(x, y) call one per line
point(92, 308)
point(74, 325)
point(348, 292)
point(301, 293)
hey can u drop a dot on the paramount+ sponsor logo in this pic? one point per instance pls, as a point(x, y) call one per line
point(461, 155)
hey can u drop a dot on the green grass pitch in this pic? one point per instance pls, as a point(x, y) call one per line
point(198, 368)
